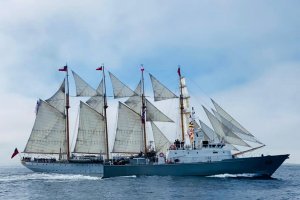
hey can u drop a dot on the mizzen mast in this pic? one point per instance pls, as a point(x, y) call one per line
point(67, 103)
point(143, 109)
point(101, 68)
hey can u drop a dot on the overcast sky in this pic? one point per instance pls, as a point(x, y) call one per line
point(244, 54)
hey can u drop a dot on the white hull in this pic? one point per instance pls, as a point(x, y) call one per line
point(66, 168)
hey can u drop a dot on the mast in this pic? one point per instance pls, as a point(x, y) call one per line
point(181, 103)
point(143, 109)
point(105, 107)
point(67, 103)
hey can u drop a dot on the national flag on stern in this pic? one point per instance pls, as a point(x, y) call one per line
point(64, 69)
point(99, 68)
point(14, 153)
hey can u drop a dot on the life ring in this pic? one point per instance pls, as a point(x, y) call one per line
point(161, 154)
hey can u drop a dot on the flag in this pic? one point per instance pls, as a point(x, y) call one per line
point(64, 69)
point(14, 153)
point(178, 71)
point(142, 68)
point(38, 103)
point(99, 68)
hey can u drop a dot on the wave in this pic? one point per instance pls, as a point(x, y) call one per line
point(49, 177)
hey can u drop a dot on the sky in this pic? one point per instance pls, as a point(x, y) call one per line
point(243, 54)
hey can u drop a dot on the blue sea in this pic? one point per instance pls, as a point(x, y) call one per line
point(20, 183)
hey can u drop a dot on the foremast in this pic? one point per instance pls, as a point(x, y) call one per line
point(181, 103)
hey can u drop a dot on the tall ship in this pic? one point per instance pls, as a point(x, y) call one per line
point(140, 146)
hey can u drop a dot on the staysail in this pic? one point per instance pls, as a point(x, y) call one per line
point(212, 136)
point(120, 90)
point(160, 140)
point(91, 135)
point(135, 102)
point(48, 134)
point(83, 89)
point(235, 129)
point(223, 131)
point(160, 91)
point(97, 102)
point(129, 133)
point(153, 114)
point(229, 118)
point(58, 99)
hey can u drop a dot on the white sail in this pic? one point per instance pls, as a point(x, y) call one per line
point(229, 118)
point(120, 89)
point(91, 133)
point(58, 99)
point(153, 114)
point(129, 134)
point(48, 134)
point(83, 89)
point(223, 131)
point(209, 134)
point(160, 91)
point(160, 140)
point(213, 136)
point(235, 129)
point(135, 102)
point(97, 102)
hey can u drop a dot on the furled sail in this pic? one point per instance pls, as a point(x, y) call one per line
point(91, 134)
point(160, 91)
point(223, 131)
point(235, 129)
point(58, 99)
point(97, 102)
point(83, 89)
point(48, 134)
point(186, 104)
point(161, 142)
point(129, 133)
point(120, 89)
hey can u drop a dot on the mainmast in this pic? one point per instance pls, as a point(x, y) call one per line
point(143, 109)
point(67, 103)
point(181, 103)
point(105, 107)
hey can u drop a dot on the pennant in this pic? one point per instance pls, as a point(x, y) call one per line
point(15, 153)
point(99, 68)
point(178, 71)
point(64, 69)
point(37, 106)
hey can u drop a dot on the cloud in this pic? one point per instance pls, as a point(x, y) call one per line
point(223, 46)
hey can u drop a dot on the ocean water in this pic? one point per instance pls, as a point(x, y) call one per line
point(20, 183)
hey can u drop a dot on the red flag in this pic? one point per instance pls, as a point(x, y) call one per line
point(64, 69)
point(99, 68)
point(14, 153)
point(178, 71)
